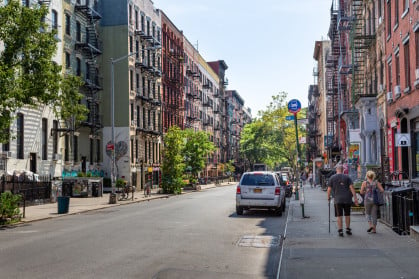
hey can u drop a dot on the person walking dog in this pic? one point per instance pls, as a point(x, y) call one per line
point(341, 187)
point(368, 187)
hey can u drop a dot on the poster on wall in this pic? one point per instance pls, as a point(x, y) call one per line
point(353, 153)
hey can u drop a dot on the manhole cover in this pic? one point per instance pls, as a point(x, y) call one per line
point(259, 241)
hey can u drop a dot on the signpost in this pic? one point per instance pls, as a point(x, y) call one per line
point(289, 117)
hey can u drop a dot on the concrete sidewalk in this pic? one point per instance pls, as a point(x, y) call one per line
point(310, 251)
point(79, 205)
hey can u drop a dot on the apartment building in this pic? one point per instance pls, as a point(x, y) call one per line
point(131, 32)
point(317, 98)
point(82, 48)
point(173, 106)
point(33, 145)
point(401, 19)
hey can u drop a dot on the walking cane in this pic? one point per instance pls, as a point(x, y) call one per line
point(329, 213)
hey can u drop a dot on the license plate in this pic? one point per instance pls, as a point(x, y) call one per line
point(257, 190)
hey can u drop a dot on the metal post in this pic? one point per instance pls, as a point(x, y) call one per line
point(113, 127)
point(298, 155)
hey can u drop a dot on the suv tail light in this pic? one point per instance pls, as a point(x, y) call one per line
point(277, 191)
point(238, 190)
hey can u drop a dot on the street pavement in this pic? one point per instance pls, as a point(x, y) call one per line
point(80, 205)
point(310, 251)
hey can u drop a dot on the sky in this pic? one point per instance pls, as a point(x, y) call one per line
point(268, 45)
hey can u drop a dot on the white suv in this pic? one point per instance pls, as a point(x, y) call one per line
point(260, 189)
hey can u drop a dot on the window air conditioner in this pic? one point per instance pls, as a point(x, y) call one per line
point(7, 154)
point(389, 97)
point(417, 74)
point(397, 91)
point(56, 157)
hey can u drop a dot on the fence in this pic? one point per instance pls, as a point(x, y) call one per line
point(31, 190)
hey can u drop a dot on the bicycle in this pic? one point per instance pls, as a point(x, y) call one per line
point(124, 192)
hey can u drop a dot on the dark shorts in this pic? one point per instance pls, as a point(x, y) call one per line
point(342, 209)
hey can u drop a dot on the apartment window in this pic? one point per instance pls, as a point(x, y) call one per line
point(148, 118)
point(131, 80)
point(68, 24)
point(137, 81)
point(379, 8)
point(397, 69)
point(396, 12)
point(54, 19)
point(148, 28)
point(136, 20)
point(149, 88)
point(76, 148)
point(144, 90)
point(78, 66)
point(78, 31)
point(6, 145)
point(132, 111)
point(19, 136)
point(132, 150)
point(142, 22)
point(67, 148)
point(131, 44)
point(44, 138)
point(145, 151)
point(144, 117)
point(405, 5)
point(54, 136)
point(388, 18)
point(138, 116)
point(136, 149)
point(130, 13)
point(67, 60)
point(417, 49)
point(390, 82)
point(406, 64)
point(137, 49)
point(87, 65)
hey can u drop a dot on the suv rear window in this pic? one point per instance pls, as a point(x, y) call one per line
point(258, 179)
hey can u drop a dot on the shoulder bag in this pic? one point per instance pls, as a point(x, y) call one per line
point(378, 197)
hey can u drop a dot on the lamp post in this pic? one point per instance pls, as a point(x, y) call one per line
point(112, 198)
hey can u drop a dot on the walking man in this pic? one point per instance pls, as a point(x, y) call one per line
point(341, 187)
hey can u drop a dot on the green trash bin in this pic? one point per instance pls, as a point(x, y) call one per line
point(63, 204)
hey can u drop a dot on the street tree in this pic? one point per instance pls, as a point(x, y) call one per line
point(173, 162)
point(196, 150)
point(28, 75)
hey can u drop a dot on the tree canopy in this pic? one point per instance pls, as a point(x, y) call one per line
point(28, 75)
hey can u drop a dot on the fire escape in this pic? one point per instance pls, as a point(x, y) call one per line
point(192, 95)
point(313, 127)
point(148, 61)
point(360, 42)
point(88, 45)
point(333, 82)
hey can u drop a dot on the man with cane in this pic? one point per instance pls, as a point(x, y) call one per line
point(343, 190)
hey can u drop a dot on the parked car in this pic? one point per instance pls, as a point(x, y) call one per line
point(285, 181)
point(260, 189)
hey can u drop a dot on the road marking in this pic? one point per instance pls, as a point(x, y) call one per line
point(259, 241)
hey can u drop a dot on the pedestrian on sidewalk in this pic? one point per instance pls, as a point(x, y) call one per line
point(371, 209)
point(341, 187)
point(310, 179)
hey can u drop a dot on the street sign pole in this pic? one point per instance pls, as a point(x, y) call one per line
point(294, 106)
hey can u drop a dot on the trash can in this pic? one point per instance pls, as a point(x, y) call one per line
point(63, 204)
point(112, 198)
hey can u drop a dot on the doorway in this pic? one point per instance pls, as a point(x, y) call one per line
point(32, 164)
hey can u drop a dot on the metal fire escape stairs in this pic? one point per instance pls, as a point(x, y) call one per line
point(90, 48)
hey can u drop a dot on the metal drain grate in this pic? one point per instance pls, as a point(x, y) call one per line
point(259, 241)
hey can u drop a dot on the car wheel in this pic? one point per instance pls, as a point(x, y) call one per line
point(239, 210)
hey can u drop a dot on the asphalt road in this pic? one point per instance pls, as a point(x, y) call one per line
point(197, 235)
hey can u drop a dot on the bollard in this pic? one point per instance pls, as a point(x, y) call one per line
point(302, 201)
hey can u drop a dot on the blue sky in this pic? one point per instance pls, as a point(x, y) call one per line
point(268, 45)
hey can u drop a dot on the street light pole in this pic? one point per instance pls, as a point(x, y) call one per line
point(113, 164)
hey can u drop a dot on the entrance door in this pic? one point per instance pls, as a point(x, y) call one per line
point(32, 165)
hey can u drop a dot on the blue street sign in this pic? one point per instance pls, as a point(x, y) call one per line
point(294, 106)
point(289, 117)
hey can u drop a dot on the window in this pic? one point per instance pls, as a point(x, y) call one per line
point(137, 82)
point(131, 80)
point(132, 151)
point(131, 44)
point(76, 148)
point(405, 5)
point(98, 150)
point(68, 24)
point(142, 22)
point(379, 9)
point(78, 31)
point(19, 136)
point(54, 136)
point(390, 82)
point(67, 148)
point(396, 12)
point(417, 49)
point(130, 13)
point(78, 67)
point(44, 139)
point(136, 20)
point(406, 64)
point(388, 18)
point(6, 145)
point(397, 69)
point(138, 116)
point(132, 111)
point(67, 60)
point(54, 19)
